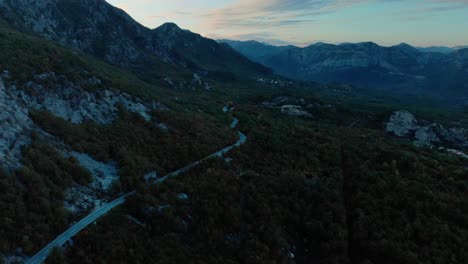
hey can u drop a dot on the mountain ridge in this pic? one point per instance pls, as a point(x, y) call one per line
point(110, 34)
point(401, 68)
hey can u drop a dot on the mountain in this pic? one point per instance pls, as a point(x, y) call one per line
point(439, 49)
point(108, 33)
point(460, 47)
point(255, 50)
point(400, 68)
point(314, 177)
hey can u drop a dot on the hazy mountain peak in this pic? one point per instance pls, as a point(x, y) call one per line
point(169, 26)
point(401, 67)
point(439, 49)
point(368, 44)
point(407, 48)
point(319, 44)
point(404, 44)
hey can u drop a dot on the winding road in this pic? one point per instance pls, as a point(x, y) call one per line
point(102, 210)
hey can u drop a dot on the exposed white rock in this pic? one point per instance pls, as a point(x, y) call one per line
point(163, 126)
point(64, 99)
point(14, 129)
point(151, 176)
point(426, 136)
point(73, 103)
point(197, 80)
point(80, 198)
point(104, 174)
point(402, 124)
point(182, 196)
point(294, 110)
point(15, 258)
point(457, 153)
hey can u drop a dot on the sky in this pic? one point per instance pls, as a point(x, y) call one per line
point(303, 22)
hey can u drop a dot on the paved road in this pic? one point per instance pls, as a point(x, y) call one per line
point(83, 223)
point(76, 228)
point(242, 140)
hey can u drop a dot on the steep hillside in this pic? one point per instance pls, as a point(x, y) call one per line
point(255, 50)
point(198, 52)
point(105, 116)
point(108, 33)
point(327, 173)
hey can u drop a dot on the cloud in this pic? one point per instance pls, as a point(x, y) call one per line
point(295, 21)
point(425, 10)
point(272, 13)
point(265, 37)
point(463, 2)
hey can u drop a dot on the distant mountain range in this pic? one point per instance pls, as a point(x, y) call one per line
point(400, 68)
point(441, 49)
point(108, 33)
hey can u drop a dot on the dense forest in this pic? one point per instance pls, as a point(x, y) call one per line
point(139, 146)
point(31, 198)
point(331, 195)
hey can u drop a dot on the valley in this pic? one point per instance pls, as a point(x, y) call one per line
point(400, 70)
point(121, 143)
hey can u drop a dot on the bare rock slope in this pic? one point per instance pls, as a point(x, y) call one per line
point(403, 124)
point(66, 99)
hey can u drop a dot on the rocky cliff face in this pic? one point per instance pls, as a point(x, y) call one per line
point(73, 103)
point(297, 106)
point(14, 128)
point(404, 124)
point(67, 100)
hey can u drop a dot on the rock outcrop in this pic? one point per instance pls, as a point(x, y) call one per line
point(423, 133)
point(297, 106)
point(80, 198)
point(72, 102)
point(14, 128)
point(295, 110)
point(64, 99)
point(402, 124)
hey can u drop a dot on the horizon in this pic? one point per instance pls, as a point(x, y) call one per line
point(306, 22)
point(314, 43)
point(126, 138)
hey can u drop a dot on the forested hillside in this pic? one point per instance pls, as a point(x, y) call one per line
point(96, 108)
point(331, 195)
